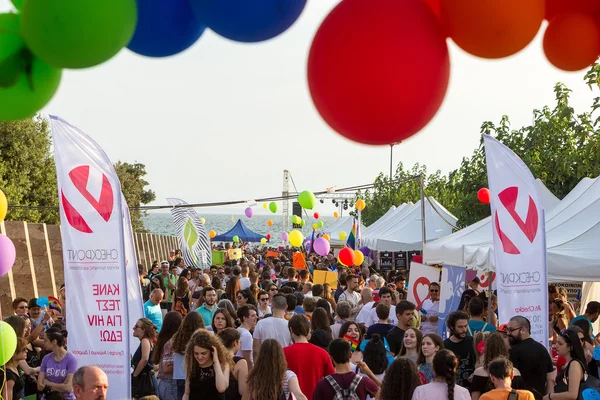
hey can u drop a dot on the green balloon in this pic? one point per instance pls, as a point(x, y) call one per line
point(11, 41)
point(8, 342)
point(18, 4)
point(301, 222)
point(320, 223)
point(236, 239)
point(77, 33)
point(31, 92)
point(307, 200)
point(273, 207)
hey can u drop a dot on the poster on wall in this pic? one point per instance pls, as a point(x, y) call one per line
point(386, 260)
point(400, 260)
point(452, 286)
point(421, 276)
point(411, 255)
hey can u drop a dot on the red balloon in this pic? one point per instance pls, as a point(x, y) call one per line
point(572, 41)
point(269, 236)
point(346, 256)
point(316, 215)
point(483, 195)
point(555, 8)
point(378, 70)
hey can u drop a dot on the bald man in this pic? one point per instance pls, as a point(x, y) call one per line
point(90, 383)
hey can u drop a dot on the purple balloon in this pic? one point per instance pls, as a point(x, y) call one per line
point(321, 247)
point(284, 236)
point(8, 255)
point(248, 212)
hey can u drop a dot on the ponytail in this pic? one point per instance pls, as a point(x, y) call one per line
point(444, 365)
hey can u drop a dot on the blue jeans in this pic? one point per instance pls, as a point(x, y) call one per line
point(167, 389)
point(180, 388)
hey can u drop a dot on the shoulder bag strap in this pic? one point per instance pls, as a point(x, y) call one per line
point(333, 383)
point(355, 382)
point(513, 395)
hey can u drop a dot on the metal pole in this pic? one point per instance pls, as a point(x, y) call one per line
point(423, 232)
point(391, 157)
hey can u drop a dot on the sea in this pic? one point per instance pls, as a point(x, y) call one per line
point(162, 224)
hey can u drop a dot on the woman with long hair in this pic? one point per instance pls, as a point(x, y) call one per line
point(58, 367)
point(465, 299)
point(233, 286)
point(443, 386)
point(495, 347)
point(375, 356)
point(270, 379)
point(559, 320)
point(588, 345)
point(569, 311)
point(400, 381)
point(324, 304)
point(221, 320)
point(237, 380)
point(244, 297)
point(327, 295)
point(190, 324)
point(10, 376)
point(568, 345)
point(163, 356)
point(31, 365)
point(207, 367)
point(411, 345)
point(320, 328)
point(227, 306)
point(142, 360)
point(430, 345)
point(182, 296)
point(352, 332)
point(478, 345)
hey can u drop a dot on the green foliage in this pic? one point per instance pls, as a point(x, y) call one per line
point(560, 147)
point(28, 175)
point(132, 186)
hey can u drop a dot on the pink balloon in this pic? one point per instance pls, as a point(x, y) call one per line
point(248, 212)
point(284, 236)
point(321, 246)
point(8, 254)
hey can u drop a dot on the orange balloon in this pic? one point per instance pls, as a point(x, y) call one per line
point(326, 237)
point(572, 41)
point(492, 28)
point(555, 8)
point(270, 223)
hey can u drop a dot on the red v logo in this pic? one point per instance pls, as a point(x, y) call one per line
point(79, 176)
point(508, 198)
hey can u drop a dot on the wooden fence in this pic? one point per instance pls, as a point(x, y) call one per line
point(38, 270)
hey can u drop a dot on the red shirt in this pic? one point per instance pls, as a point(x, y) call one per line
point(324, 390)
point(310, 363)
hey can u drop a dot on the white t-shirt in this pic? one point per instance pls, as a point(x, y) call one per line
point(439, 391)
point(374, 319)
point(262, 314)
point(363, 315)
point(245, 342)
point(273, 328)
point(432, 310)
point(353, 298)
point(244, 283)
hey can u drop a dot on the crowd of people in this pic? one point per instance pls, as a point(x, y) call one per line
point(259, 329)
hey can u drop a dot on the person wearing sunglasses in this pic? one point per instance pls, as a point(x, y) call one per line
point(430, 309)
point(263, 304)
point(530, 357)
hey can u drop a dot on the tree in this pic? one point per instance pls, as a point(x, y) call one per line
point(132, 186)
point(27, 172)
point(560, 147)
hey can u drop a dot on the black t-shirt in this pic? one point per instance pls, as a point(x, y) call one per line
point(18, 382)
point(381, 329)
point(534, 362)
point(395, 338)
point(293, 284)
point(465, 352)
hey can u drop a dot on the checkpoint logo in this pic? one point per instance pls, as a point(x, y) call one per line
point(508, 198)
point(79, 177)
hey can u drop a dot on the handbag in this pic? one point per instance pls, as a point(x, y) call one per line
point(143, 384)
point(588, 383)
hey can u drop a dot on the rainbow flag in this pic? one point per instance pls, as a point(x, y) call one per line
point(353, 342)
point(351, 241)
point(54, 304)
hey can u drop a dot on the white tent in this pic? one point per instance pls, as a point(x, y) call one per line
point(384, 224)
point(403, 231)
point(341, 225)
point(572, 237)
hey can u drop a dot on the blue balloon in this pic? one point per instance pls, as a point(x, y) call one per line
point(164, 28)
point(590, 394)
point(248, 20)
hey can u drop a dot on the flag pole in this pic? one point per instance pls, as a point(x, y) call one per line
point(423, 232)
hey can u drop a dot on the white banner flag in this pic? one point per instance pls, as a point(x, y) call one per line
point(519, 239)
point(193, 238)
point(99, 326)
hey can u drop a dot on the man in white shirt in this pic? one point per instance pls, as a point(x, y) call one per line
point(307, 289)
point(248, 316)
point(430, 309)
point(368, 305)
point(385, 297)
point(351, 293)
point(245, 280)
point(275, 327)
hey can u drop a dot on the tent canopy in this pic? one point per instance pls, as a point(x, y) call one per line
point(341, 225)
point(240, 230)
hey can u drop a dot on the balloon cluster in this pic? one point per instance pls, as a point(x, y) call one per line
point(398, 59)
point(8, 253)
point(44, 37)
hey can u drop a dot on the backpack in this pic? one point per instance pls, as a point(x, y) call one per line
point(345, 394)
point(472, 333)
point(513, 395)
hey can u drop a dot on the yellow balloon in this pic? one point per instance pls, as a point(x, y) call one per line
point(265, 205)
point(315, 227)
point(326, 237)
point(203, 221)
point(335, 214)
point(343, 235)
point(360, 204)
point(263, 241)
point(296, 238)
point(359, 257)
point(3, 206)
point(212, 234)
